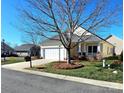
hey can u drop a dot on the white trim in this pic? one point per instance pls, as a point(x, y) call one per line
point(41, 52)
point(92, 49)
point(84, 48)
point(98, 48)
point(79, 47)
point(61, 49)
point(51, 46)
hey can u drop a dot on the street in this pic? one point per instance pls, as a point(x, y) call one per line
point(19, 82)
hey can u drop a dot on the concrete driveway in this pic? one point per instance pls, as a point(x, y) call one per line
point(22, 65)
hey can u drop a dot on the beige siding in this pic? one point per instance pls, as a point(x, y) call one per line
point(106, 49)
point(118, 44)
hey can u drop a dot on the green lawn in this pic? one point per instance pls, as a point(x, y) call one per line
point(92, 70)
point(10, 60)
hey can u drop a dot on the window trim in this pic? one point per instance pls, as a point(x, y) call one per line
point(92, 49)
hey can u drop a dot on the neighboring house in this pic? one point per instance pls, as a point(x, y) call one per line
point(117, 42)
point(52, 49)
point(27, 49)
point(5, 48)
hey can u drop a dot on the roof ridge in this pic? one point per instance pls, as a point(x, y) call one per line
point(6, 45)
point(108, 37)
point(97, 36)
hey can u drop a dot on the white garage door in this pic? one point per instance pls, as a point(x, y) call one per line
point(54, 53)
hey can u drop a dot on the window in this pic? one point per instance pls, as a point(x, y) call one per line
point(89, 49)
point(111, 50)
point(92, 49)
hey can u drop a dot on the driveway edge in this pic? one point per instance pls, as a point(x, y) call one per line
point(75, 79)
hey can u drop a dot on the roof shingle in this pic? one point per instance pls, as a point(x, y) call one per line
point(24, 47)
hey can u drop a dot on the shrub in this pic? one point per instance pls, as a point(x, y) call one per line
point(82, 58)
point(13, 55)
point(112, 58)
point(98, 56)
point(117, 65)
point(90, 58)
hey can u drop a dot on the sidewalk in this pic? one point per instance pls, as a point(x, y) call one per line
point(20, 67)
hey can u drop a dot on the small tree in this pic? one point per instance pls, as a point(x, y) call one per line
point(31, 38)
point(63, 17)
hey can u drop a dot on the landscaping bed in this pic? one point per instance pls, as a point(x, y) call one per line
point(64, 65)
point(91, 70)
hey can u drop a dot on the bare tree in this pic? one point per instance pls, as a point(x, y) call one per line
point(31, 38)
point(63, 17)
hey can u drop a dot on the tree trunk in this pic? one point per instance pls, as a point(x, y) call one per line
point(69, 56)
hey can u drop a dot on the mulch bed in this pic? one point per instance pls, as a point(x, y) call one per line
point(117, 62)
point(64, 65)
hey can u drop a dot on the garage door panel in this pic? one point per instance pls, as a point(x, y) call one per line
point(52, 53)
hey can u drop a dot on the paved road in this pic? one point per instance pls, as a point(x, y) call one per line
point(19, 82)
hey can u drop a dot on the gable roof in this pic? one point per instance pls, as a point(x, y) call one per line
point(24, 47)
point(98, 37)
point(79, 31)
point(110, 36)
point(75, 37)
point(114, 40)
point(6, 47)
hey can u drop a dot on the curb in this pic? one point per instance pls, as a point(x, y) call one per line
point(75, 79)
